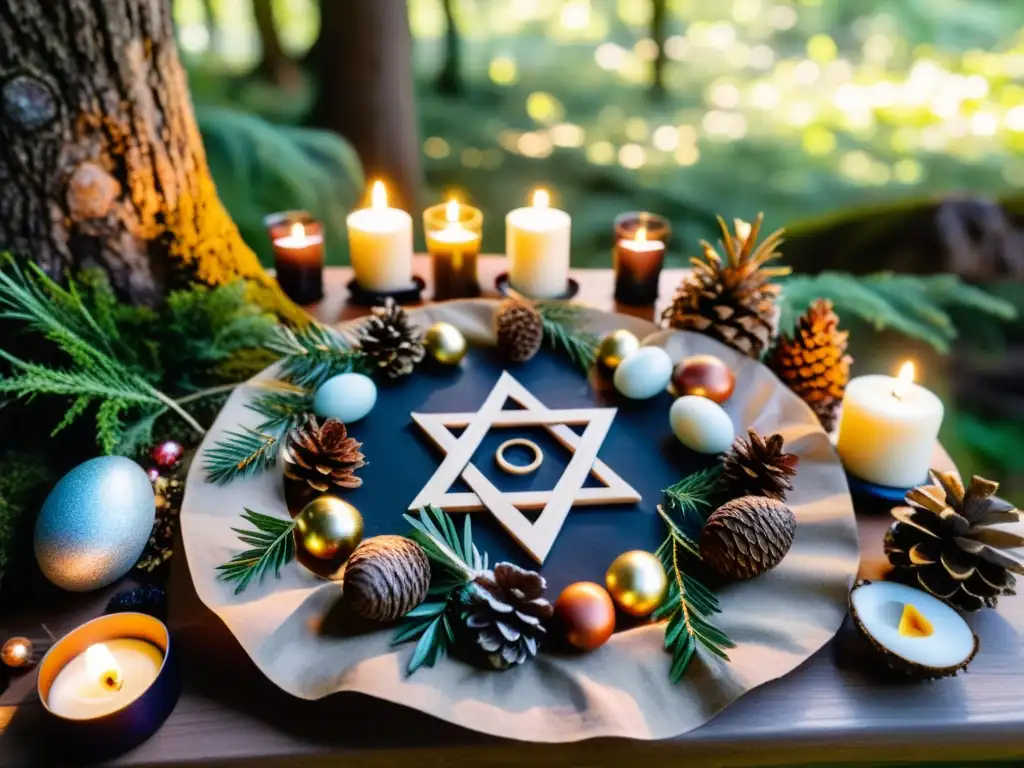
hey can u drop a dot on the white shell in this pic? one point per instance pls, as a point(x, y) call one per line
point(701, 424)
point(347, 397)
point(644, 373)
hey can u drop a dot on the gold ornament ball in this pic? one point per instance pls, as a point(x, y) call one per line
point(329, 528)
point(616, 347)
point(637, 582)
point(445, 343)
point(16, 652)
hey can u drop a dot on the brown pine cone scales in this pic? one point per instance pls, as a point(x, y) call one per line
point(758, 466)
point(813, 361)
point(390, 341)
point(386, 577)
point(322, 458)
point(520, 330)
point(747, 536)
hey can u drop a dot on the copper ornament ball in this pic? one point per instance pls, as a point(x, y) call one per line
point(329, 529)
point(585, 615)
point(704, 376)
point(445, 343)
point(16, 652)
point(637, 582)
point(616, 347)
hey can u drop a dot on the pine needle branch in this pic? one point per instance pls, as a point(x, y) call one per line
point(691, 499)
point(241, 454)
point(283, 406)
point(271, 548)
point(312, 355)
point(561, 322)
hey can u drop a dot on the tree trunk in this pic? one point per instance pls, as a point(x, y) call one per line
point(101, 162)
point(449, 79)
point(275, 65)
point(366, 92)
point(659, 32)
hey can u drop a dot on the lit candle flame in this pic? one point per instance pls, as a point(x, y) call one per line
point(298, 231)
point(379, 196)
point(903, 380)
point(101, 665)
point(541, 199)
point(641, 235)
point(451, 211)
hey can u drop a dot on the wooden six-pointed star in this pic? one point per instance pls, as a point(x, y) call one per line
point(539, 536)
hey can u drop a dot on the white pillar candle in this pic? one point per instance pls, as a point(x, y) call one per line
point(537, 245)
point(104, 679)
point(888, 429)
point(380, 244)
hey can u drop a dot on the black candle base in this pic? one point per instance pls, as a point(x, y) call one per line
point(505, 288)
point(364, 298)
point(303, 285)
point(636, 294)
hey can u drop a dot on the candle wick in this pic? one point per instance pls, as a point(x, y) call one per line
point(113, 682)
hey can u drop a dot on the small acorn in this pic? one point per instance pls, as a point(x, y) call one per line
point(747, 536)
point(519, 329)
point(386, 577)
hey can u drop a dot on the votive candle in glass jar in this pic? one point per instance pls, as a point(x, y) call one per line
point(453, 232)
point(638, 256)
point(298, 242)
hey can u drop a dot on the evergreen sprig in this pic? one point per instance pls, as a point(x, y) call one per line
point(272, 548)
point(561, 322)
point(689, 604)
point(312, 355)
point(455, 563)
point(242, 453)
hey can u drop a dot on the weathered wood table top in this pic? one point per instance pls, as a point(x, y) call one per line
point(831, 709)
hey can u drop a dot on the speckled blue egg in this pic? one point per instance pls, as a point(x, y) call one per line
point(95, 523)
point(644, 373)
point(347, 397)
point(701, 424)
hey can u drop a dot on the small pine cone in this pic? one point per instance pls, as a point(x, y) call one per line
point(520, 330)
point(390, 340)
point(323, 458)
point(747, 536)
point(758, 466)
point(813, 361)
point(386, 577)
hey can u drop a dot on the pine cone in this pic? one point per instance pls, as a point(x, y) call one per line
point(758, 467)
point(747, 536)
point(943, 542)
point(520, 330)
point(320, 459)
point(386, 577)
point(503, 613)
point(390, 341)
point(732, 300)
point(813, 362)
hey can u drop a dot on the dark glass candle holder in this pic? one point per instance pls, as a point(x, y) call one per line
point(638, 256)
point(298, 241)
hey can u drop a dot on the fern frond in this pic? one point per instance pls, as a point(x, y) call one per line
point(272, 548)
point(241, 454)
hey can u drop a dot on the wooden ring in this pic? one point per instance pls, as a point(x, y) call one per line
point(515, 469)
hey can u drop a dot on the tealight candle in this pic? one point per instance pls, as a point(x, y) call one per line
point(299, 259)
point(537, 245)
point(104, 678)
point(380, 245)
point(640, 240)
point(888, 429)
point(453, 242)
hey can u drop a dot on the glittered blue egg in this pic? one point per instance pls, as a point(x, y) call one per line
point(95, 523)
point(347, 397)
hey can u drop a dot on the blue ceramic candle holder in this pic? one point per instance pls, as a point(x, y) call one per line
point(874, 496)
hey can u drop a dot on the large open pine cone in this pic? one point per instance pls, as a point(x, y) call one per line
point(758, 466)
point(732, 299)
point(943, 542)
point(813, 361)
point(747, 536)
point(391, 341)
point(504, 613)
point(520, 330)
point(322, 458)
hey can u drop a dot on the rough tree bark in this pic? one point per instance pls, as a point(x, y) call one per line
point(101, 162)
point(365, 62)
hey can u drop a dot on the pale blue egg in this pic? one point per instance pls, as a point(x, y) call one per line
point(347, 397)
point(95, 523)
point(644, 373)
point(701, 424)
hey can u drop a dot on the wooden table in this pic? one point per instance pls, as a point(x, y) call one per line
point(829, 710)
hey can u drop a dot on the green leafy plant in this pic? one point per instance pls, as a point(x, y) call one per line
point(24, 479)
point(562, 331)
point(689, 605)
point(271, 548)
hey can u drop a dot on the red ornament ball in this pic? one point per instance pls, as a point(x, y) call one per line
point(167, 454)
point(704, 376)
point(585, 615)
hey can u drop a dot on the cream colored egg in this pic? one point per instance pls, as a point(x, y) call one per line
point(644, 374)
point(701, 424)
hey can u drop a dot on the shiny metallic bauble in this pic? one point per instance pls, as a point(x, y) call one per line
point(637, 582)
point(17, 653)
point(329, 529)
point(585, 615)
point(445, 343)
point(616, 347)
point(704, 376)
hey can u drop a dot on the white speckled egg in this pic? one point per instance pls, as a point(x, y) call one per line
point(701, 424)
point(644, 373)
point(347, 397)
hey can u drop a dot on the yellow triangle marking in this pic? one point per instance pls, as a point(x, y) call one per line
point(914, 624)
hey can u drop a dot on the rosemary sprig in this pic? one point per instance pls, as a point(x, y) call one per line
point(272, 547)
point(561, 323)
